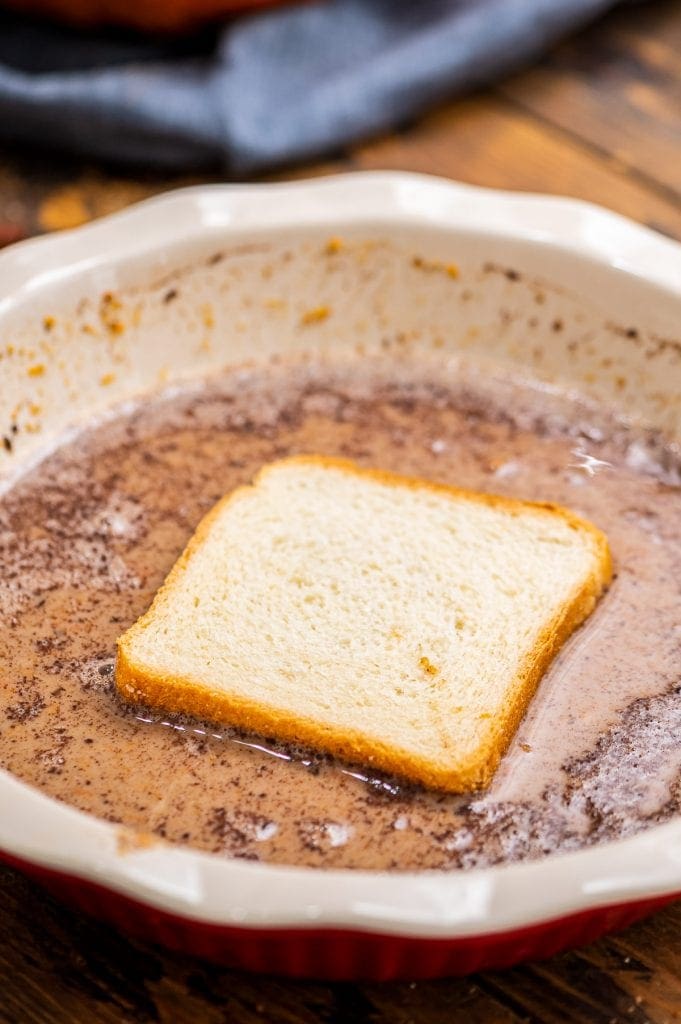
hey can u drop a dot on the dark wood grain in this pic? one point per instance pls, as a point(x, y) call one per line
point(599, 118)
point(617, 92)
point(59, 967)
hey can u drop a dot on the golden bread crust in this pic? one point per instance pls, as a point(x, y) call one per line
point(138, 684)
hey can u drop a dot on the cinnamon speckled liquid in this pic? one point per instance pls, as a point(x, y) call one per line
point(87, 537)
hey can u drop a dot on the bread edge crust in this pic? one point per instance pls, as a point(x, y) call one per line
point(177, 694)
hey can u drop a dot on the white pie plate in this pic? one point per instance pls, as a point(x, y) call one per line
point(616, 288)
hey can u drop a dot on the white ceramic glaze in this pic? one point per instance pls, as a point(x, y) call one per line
point(140, 300)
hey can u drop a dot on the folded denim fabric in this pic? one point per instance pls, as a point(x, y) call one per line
point(268, 88)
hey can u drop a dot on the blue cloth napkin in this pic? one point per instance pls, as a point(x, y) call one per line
point(268, 88)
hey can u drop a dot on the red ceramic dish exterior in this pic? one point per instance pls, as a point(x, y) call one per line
point(335, 925)
point(146, 16)
point(336, 954)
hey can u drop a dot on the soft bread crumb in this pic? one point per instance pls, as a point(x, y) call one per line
point(386, 619)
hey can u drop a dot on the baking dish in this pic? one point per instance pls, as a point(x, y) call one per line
point(183, 285)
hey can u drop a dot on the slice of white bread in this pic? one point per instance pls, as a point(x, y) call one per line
point(399, 623)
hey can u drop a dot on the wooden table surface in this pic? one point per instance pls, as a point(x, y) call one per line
point(599, 118)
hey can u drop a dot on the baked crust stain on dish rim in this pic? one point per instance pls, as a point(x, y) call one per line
point(199, 886)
